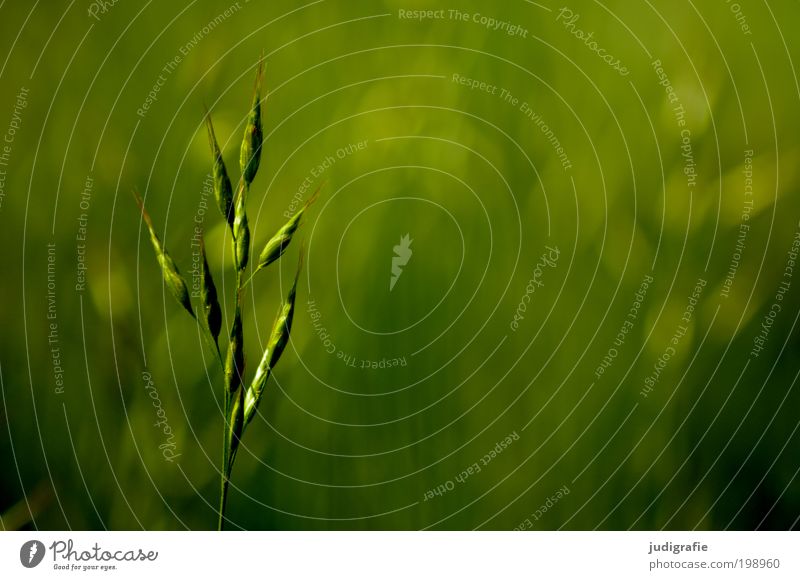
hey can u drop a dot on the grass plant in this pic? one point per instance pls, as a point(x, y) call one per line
point(240, 399)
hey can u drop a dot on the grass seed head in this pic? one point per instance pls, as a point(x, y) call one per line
point(281, 329)
point(250, 154)
point(241, 230)
point(257, 386)
point(277, 245)
point(283, 325)
point(208, 294)
point(223, 191)
point(169, 270)
point(234, 361)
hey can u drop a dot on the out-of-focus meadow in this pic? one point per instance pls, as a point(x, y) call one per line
point(596, 326)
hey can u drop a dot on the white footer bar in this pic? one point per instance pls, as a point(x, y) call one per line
point(390, 555)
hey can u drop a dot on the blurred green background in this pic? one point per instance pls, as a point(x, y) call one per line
point(477, 179)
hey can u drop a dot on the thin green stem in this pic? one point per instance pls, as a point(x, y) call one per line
point(227, 443)
point(250, 278)
point(224, 472)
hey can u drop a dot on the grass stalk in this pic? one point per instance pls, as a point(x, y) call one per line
point(239, 400)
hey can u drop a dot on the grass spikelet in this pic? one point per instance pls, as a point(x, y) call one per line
point(241, 230)
point(250, 153)
point(223, 191)
point(169, 270)
point(256, 389)
point(278, 340)
point(277, 245)
point(236, 427)
point(208, 296)
point(234, 360)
